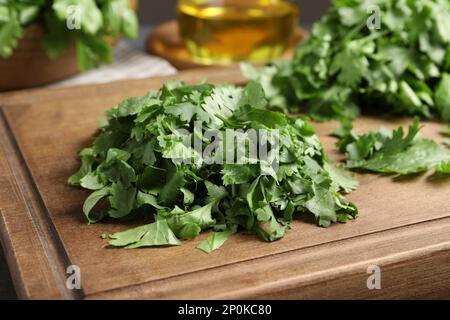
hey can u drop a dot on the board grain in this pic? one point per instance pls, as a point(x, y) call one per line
point(404, 226)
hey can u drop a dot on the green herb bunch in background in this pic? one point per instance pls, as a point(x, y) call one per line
point(96, 19)
point(144, 163)
point(392, 152)
point(389, 56)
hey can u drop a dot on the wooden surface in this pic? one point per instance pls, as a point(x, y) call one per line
point(165, 41)
point(404, 226)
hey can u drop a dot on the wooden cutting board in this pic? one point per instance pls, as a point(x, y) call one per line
point(403, 228)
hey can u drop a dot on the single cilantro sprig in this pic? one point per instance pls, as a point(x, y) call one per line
point(134, 169)
point(393, 152)
point(403, 67)
point(98, 19)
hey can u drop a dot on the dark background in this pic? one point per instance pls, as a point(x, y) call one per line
point(152, 12)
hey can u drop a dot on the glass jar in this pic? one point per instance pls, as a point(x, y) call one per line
point(228, 31)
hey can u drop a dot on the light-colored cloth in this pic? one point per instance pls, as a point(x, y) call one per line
point(129, 63)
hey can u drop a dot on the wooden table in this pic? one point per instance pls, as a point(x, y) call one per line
point(403, 228)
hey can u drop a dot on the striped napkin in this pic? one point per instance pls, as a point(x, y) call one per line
point(129, 63)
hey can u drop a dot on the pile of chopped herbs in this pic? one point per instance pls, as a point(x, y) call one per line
point(143, 166)
point(90, 22)
point(400, 66)
point(394, 152)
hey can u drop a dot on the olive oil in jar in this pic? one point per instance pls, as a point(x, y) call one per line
point(226, 31)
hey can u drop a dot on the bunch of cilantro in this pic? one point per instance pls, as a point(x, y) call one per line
point(389, 56)
point(144, 164)
point(97, 19)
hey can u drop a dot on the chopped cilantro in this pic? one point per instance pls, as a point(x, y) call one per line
point(141, 165)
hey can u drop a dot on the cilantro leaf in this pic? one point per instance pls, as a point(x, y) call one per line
point(420, 157)
point(91, 15)
point(442, 97)
point(188, 225)
point(443, 167)
point(350, 64)
point(120, 19)
point(10, 33)
point(342, 179)
point(216, 240)
point(90, 203)
point(57, 38)
point(91, 51)
point(87, 161)
point(121, 199)
point(387, 152)
point(150, 235)
point(234, 174)
point(322, 205)
point(268, 226)
point(91, 181)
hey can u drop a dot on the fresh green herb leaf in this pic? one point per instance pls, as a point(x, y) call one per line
point(443, 97)
point(342, 179)
point(387, 152)
point(150, 235)
point(216, 240)
point(10, 32)
point(91, 16)
point(90, 203)
point(443, 167)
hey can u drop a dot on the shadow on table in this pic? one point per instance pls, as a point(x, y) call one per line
point(6, 286)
